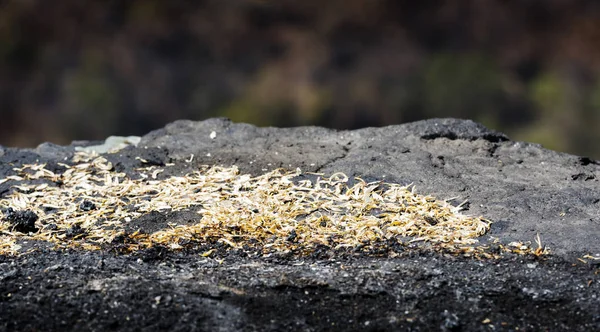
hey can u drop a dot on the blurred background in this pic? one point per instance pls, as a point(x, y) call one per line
point(75, 69)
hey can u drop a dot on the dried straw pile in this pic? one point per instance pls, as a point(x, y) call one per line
point(88, 205)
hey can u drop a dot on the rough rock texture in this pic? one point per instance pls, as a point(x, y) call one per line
point(525, 189)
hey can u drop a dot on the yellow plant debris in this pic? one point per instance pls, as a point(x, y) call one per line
point(274, 211)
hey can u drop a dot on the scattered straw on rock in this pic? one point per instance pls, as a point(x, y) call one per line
point(89, 205)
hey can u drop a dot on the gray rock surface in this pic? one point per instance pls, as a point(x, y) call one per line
point(522, 187)
point(525, 189)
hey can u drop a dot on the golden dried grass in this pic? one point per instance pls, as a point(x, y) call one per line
point(274, 211)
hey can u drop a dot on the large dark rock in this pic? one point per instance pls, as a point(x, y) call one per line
point(525, 189)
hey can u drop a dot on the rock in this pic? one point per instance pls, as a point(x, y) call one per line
point(21, 221)
point(526, 189)
point(523, 188)
point(111, 144)
point(54, 152)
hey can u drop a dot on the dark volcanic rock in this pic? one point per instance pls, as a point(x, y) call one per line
point(525, 189)
point(22, 221)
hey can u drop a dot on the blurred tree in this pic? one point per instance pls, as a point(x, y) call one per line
point(89, 69)
point(92, 98)
point(462, 85)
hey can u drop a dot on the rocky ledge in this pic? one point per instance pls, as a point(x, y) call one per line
point(535, 198)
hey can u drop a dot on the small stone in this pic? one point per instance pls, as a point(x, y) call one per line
point(22, 221)
point(87, 205)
